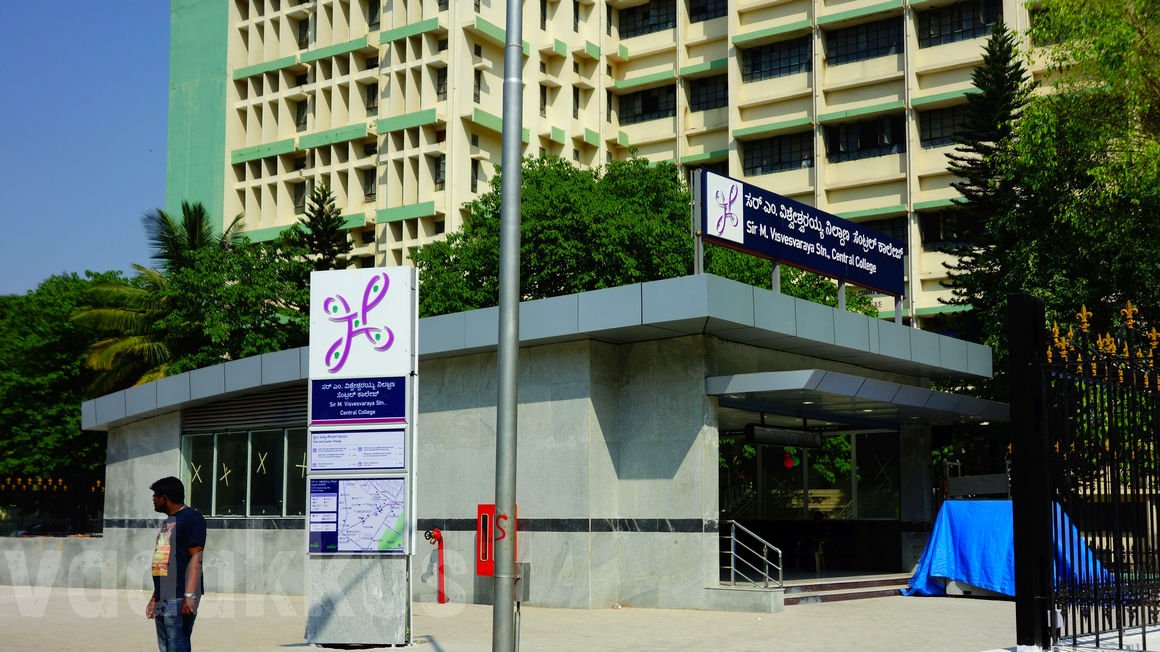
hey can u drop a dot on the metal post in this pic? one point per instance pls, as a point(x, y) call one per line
point(503, 636)
point(841, 295)
point(733, 554)
point(775, 280)
point(698, 184)
point(898, 309)
point(765, 565)
point(1031, 500)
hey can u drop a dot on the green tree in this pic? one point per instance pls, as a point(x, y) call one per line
point(43, 380)
point(586, 229)
point(321, 231)
point(174, 241)
point(979, 279)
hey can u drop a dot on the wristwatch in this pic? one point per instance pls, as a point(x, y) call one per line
point(192, 596)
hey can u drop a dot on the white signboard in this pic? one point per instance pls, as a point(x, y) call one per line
point(358, 450)
point(361, 322)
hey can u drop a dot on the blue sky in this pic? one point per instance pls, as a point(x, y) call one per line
point(82, 134)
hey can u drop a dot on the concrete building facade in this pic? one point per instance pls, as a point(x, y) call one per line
point(846, 105)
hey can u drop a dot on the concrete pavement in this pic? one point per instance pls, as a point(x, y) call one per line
point(105, 620)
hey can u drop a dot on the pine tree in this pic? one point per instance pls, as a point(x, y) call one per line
point(978, 278)
point(320, 230)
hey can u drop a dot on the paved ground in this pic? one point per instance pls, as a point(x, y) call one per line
point(93, 620)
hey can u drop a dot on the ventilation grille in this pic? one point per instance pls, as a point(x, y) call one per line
point(285, 406)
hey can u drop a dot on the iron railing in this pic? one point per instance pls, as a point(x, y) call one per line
point(750, 558)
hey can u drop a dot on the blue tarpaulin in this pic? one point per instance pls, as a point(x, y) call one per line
point(973, 541)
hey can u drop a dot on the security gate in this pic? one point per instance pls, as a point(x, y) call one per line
point(1086, 419)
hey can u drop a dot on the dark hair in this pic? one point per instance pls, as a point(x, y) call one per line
point(171, 488)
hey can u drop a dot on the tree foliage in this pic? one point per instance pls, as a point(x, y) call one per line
point(586, 229)
point(43, 380)
point(320, 231)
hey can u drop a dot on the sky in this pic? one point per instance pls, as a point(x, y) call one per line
point(82, 134)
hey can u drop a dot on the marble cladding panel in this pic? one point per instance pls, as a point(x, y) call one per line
point(449, 484)
point(137, 455)
point(56, 562)
point(560, 570)
point(661, 570)
point(604, 573)
point(356, 600)
point(131, 551)
point(267, 562)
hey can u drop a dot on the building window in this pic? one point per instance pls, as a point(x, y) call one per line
point(544, 14)
point(651, 104)
point(374, 10)
point(708, 93)
point(938, 127)
point(301, 111)
point(442, 5)
point(477, 86)
point(941, 230)
point(575, 15)
point(655, 16)
point(966, 19)
point(247, 473)
point(608, 20)
point(543, 101)
point(865, 139)
point(777, 59)
point(865, 41)
point(372, 97)
point(894, 227)
point(701, 10)
point(779, 153)
point(440, 172)
point(608, 106)
point(474, 175)
point(575, 102)
point(440, 83)
point(302, 34)
point(370, 185)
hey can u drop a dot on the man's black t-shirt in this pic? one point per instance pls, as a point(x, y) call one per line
point(177, 535)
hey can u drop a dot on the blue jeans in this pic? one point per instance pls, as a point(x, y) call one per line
point(173, 628)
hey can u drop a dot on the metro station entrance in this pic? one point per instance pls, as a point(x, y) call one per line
point(832, 468)
point(829, 509)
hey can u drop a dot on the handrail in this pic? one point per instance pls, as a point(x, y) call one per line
point(764, 557)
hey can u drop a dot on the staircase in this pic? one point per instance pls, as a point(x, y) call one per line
point(832, 589)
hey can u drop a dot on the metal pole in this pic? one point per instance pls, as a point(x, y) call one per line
point(698, 181)
point(898, 309)
point(841, 295)
point(503, 636)
point(775, 279)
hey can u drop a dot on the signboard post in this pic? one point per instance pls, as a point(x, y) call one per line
point(361, 521)
point(741, 216)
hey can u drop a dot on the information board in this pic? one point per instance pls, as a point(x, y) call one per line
point(358, 401)
point(358, 450)
point(745, 217)
point(357, 515)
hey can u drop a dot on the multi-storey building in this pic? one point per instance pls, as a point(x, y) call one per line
point(847, 105)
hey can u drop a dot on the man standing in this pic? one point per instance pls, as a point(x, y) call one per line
point(177, 578)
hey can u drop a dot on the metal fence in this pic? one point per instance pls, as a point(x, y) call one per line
point(51, 505)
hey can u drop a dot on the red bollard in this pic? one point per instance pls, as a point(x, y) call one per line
point(435, 536)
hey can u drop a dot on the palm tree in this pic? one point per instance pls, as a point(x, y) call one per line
point(128, 313)
point(131, 314)
point(174, 241)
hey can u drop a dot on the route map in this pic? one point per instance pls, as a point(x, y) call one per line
point(358, 515)
point(371, 515)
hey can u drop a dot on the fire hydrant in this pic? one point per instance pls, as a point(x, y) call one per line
point(435, 538)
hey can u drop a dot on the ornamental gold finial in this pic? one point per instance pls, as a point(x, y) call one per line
point(1153, 338)
point(1083, 316)
point(1129, 312)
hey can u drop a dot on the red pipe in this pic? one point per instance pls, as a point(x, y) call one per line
point(437, 539)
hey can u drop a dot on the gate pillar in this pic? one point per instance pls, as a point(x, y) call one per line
point(1031, 494)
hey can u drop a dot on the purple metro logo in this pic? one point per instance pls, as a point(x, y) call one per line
point(728, 217)
point(338, 310)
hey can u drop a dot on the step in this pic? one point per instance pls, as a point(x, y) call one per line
point(817, 585)
point(818, 597)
